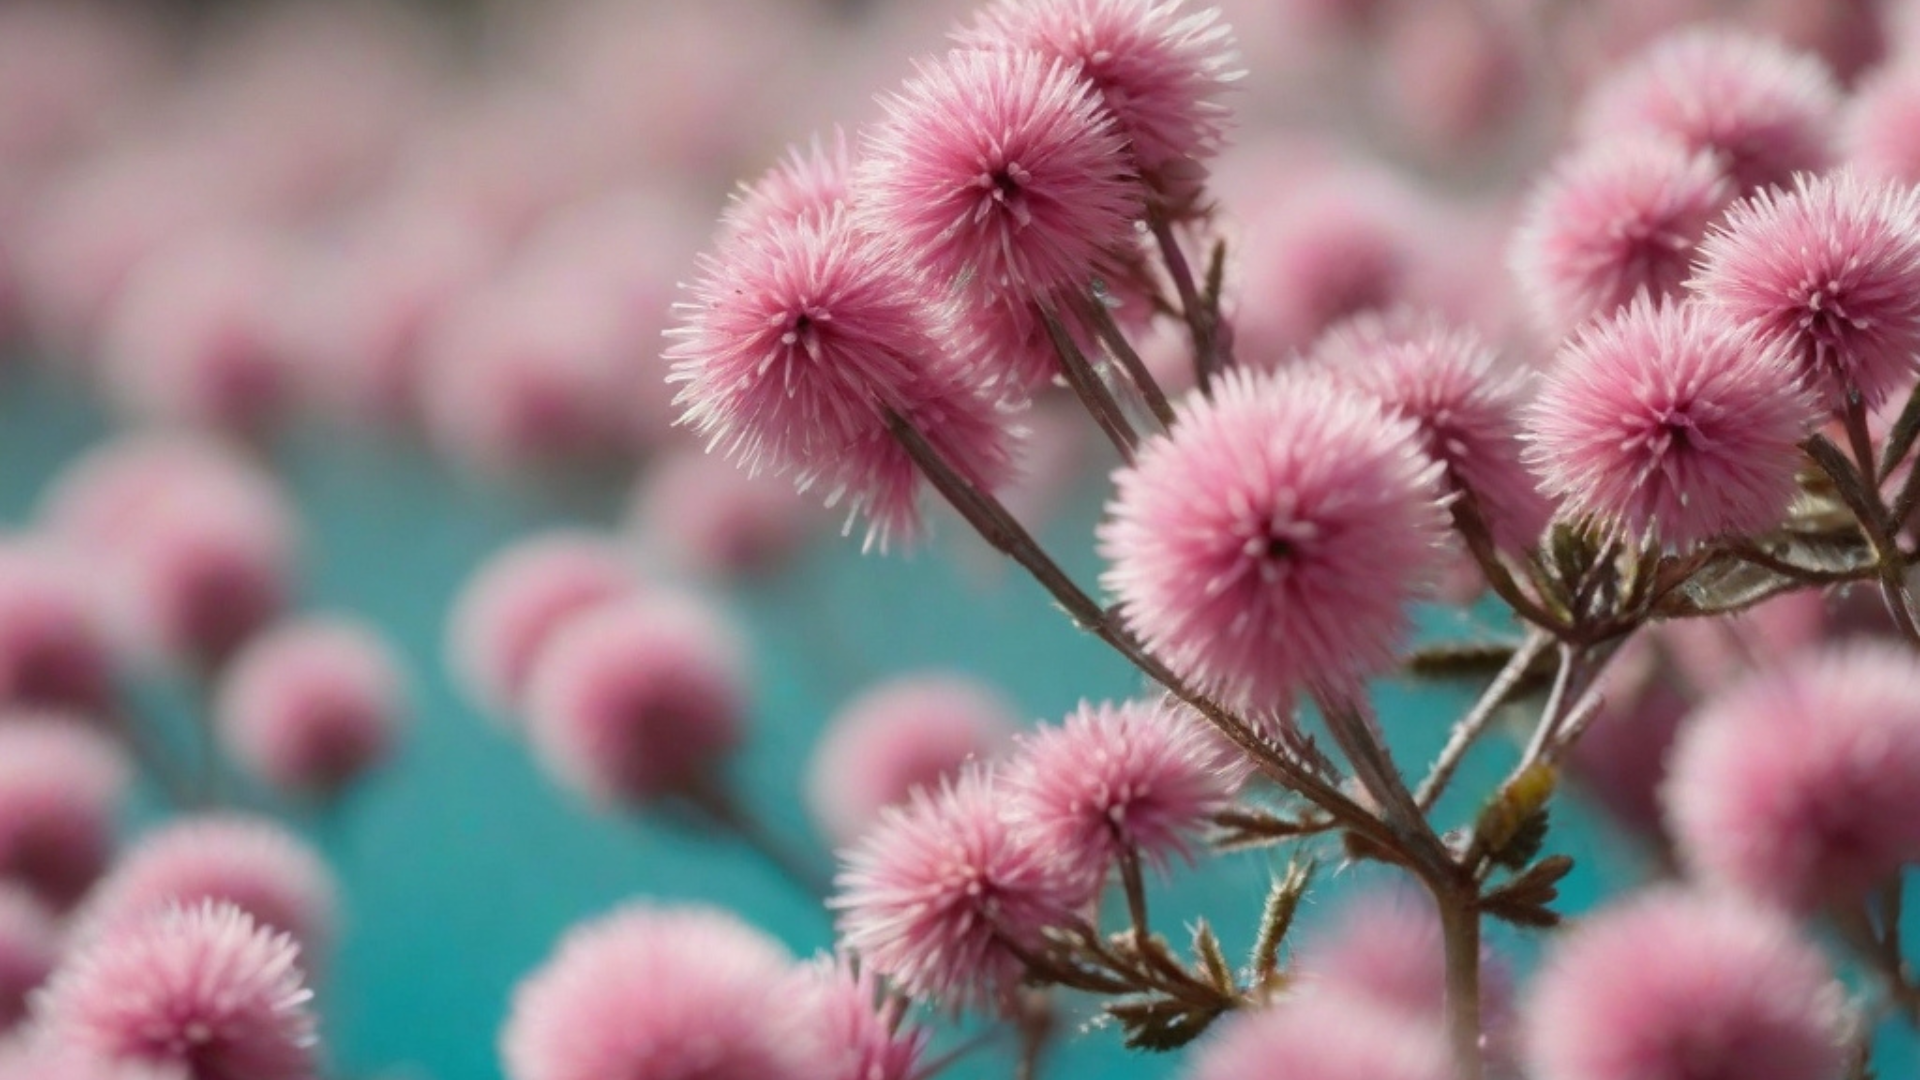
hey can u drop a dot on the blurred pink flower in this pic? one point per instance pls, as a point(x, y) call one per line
point(253, 863)
point(808, 185)
point(939, 896)
point(1800, 785)
point(1764, 111)
point(1882, 133)
point(513, 602)
point(1322, 1036)
point(1663, 419)
point(61, 788)
point(55, 650)
point(638, 699)
point(1830, 272)
point(1271, 541)
point(999, 169)
point(854, 1026)
point(310, 705)
point(1619, 218)
point(909, 733)
point(702, 513)
point(202, 988)
point(1669, 985)
point(30, 944)
point(648, 993)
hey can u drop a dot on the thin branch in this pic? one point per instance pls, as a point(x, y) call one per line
point(1090, 388)
point(1471, 726)
point(1123, 351)
point(1209, 358)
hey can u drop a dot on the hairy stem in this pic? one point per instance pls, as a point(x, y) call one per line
point(1209, 358)
point(1460, 937)
point(1090, 388)
point(1471, 726)
point(1123, 351)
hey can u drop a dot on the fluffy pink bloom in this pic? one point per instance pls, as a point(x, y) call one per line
point(513, 602)
point(1801, 784)
point(1669, 985)
point(310, 705)
point(793, 345)
point(61, 786)
point(1614, 220)
point(650, 993)
point(202, 988)
point(1159, 69)
point(638, 698)
point(852, 1025)
point(909, 733)
point(1662, 418)
point(197, 335)
point(701, 512)
point(1765, 112)
point(29, 946)
point(999, 168)
point(1829, 271)
point(807, 185)
point(1273, 538)
point(1453, 82)
point(37, 1059)
point(1883, 116)
point(1710, 653)
point(1322, 1037)
point(518, 377)
point(54, 647)
point(1341, 247)
point(207, 568)
point(102, 498)
point(932, 896)
point(1448, 382)
point(252, 863)
point(1140, 776)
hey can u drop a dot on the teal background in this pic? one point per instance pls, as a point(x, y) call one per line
point(461, 864)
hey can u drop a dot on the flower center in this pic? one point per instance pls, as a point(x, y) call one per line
point(1004, 189)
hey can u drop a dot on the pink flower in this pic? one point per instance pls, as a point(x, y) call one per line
point(1662, 418)
point(806, 186)
point(702, 513)
point(852, 1025)
point(1273, 538)
point(1829, 271)
point(908, 733)
point(1765, 112)
point(1322, 1037)
point(103, 497)
point(54, 648)
point(1000, 169)
point(650, 993)
point(61, 787)
point(1670, 985)
point(1140, 776)
point(201, 988)
point(198, 337)
point(310, 705)
point(942, 894)
point(513, 602)
point(1882, 118)
point(252, 863)
point(36, 1059)
point(1448, 383)
point(637, 699)
point(1617, 219)
point(1159, 70)
point(1800, 785)
point(795, 343)
point(29, 946)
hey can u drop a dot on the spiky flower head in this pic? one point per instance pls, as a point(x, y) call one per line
point(1271, 540)
point(1159, 68)
point(204, 989)
point(1612, 221)
point(999, 169)
point(1663, 419)
point(943, 895)
point(1829, 271)
point(1764, 111)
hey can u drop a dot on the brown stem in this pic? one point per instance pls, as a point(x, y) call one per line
point(1360, 741)
point(1473, 528)
point(1090, 388)
point(1123, 351)
point(1202, 321)
point(1856, 489)
point(1471, 726)
point(1460, 937)
point(709, 797)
